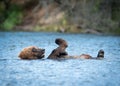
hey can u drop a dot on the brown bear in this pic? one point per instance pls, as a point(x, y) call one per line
point(32, 52)
point(60, 52)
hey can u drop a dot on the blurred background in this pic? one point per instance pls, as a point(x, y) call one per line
point(70, 16)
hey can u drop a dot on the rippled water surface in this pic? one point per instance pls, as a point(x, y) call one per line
point(16, 72)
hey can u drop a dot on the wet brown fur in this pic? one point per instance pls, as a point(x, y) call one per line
point(60, 52)
point(32, 52)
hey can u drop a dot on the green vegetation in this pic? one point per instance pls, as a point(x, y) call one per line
point(97, 6)
point(11, 17)
point(100, 16)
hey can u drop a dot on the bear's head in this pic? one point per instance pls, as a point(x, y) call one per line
point(32, 52)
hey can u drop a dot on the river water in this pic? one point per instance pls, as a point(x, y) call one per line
point(72, 72)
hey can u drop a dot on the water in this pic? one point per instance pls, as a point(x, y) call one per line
point(16, 72)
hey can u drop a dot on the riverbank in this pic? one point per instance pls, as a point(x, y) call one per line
point(88, 16)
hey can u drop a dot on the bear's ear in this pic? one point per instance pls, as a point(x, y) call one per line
point(34, 50)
